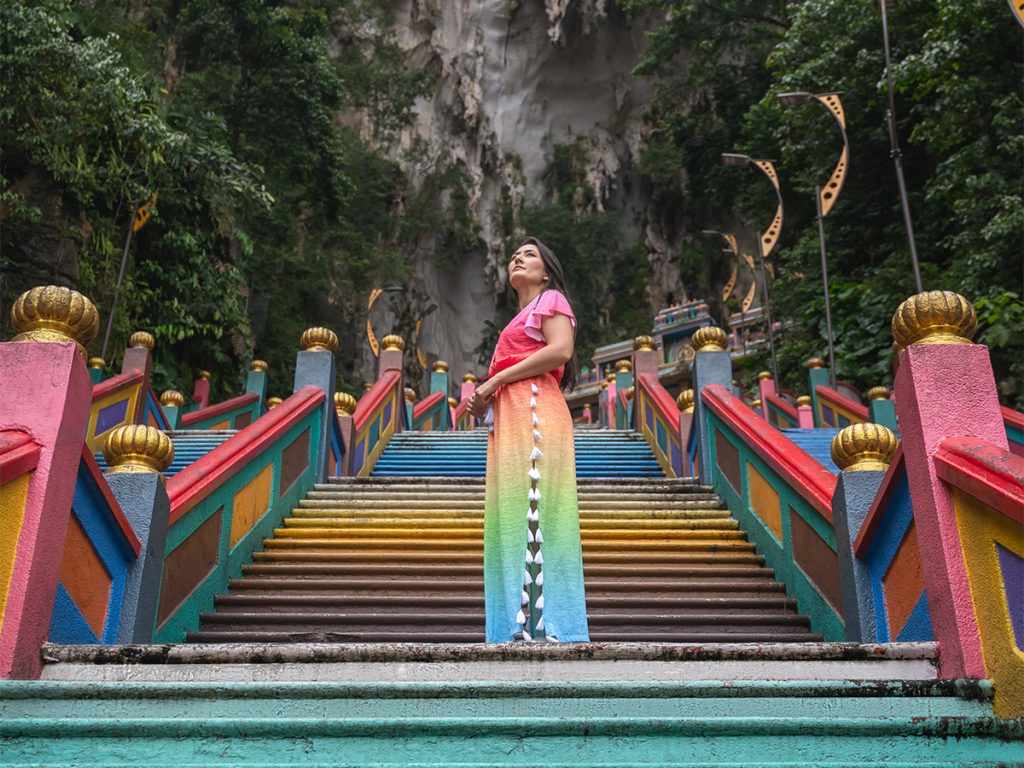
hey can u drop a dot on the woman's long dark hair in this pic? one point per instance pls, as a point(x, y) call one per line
point(556, 280)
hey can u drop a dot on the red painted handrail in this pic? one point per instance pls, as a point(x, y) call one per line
point(805, 475)
point(874, 517)
point(659, 396)
point(369, 402)
point(991, 474)
point(219, 409)
point(827, 393)
point(206, 474)
point(1012, 417)
point(115, 384)
point(427, 403)
point(19, 454)
point(785, 407)
point(115, 507)
point(460, 410)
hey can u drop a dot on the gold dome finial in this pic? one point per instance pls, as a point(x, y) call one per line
point(815, 362)
point(623, 366)
point(439, 366)
point(645, 342)
point(55, 313)
point(318, 338)
point(410, 394)
point(803, 400)
point(172, 398)
point(686, 401)
point(142, 339)
point(393, 341)
point(273, 402)
point(864, 446)
point(344, 403)
point(756, 404)
point(710, 338)
point(764, 375)
point(204, 375)
point(629, 393)
point(97, 362)
point(259, 365)
point(934, 317)
point(881, 392)
point(604, 385)
point(453, 403)
point(610, 377)
point(138, 448)
point(469, 377)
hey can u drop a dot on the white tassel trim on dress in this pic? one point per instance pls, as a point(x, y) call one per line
point(539, 538)
point(533, 387)
point(535, 454)
point(533, 402)
point(538, 559)
point(527, 579)
point(529, 557)
point(534, 474)
point(532, 516)
point(540, 603)
point(521, 618)
point(540, 579)
point(529, 536)
point(526, 597)
point(534, 494)
point(536, 435)
point(535, 421)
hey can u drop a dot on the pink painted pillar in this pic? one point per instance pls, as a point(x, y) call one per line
point(141, 359)
point(610, 403)
point(765, 386)
point(465, 392)
point(588, 417)
point(805, 417)
point(201, 392)
point(47, 393)
point(944, 390)
point(394, 360)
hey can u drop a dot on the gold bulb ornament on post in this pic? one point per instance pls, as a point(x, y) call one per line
point(880, 392)
point(97, 362)
point(273, 402)
point(172, 398)
point(610, 377)
point(686, 401)
point(259, 365)
point(393, 341)
point(469, 378)
point(453, 403)
point(710, 338)
point(57, 314)
point(623, 366)
point(645, 342)
point(142, 339)
point(764, 375)
point(204, 375)
point(439, 366)
point(410, 394)
point(934, 317)
point(803, 400)
point(814, 362)
point(137, 448)
point(864, 446)
point(318, 338)
point(344, 403)
point(629, 393)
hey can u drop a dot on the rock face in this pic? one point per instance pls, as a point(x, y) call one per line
point(513, 80)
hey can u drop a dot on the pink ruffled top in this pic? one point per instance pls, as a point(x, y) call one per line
point(523, 335)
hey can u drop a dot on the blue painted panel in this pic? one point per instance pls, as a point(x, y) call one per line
point(919, 623)
point(152, 408)
point(68, 625)
point(1011, 567)
point(111, 415)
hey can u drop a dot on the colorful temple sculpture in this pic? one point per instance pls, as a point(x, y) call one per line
point(774, 578)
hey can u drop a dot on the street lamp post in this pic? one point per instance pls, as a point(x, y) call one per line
point(894, 146)
point(766, 241)
point(825, 198)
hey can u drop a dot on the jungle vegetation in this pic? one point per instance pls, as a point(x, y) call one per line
point(276, 212)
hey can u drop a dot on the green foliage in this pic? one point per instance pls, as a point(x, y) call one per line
point(957, 69)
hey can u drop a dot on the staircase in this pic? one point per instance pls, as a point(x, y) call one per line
point(189, 445)
point(400, 559)
point(599, 453)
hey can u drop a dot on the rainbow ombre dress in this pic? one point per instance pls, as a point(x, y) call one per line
point(533, 563)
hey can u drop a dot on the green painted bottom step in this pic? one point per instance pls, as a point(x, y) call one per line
point(492, 723)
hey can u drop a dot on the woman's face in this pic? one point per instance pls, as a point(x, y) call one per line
point(526, 268)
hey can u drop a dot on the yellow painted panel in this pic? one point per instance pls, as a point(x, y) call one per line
point(12, 513)
point(226, 424)
point(764, 500)
point(251, 503)
point(980, 528)
point(95, 442)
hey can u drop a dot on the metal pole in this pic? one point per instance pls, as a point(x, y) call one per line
point(117, 288)
point(896, 153)
point(768, 312)
point(828, 300)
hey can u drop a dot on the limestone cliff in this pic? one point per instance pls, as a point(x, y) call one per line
point(512, 80)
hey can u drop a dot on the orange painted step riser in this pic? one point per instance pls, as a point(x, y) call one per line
point(656, 535)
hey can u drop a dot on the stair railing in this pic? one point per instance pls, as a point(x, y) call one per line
point(836, 410)
point(432, 414)
point(223, 505)
point(782, 498)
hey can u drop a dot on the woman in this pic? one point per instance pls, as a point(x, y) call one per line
point(533, 565)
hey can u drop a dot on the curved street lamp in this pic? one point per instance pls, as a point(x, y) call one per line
point(766, 241)
point(825, 197)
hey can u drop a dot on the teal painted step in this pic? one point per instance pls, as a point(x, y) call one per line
point(737, 723)
point(189, 445)
point(464, 454)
